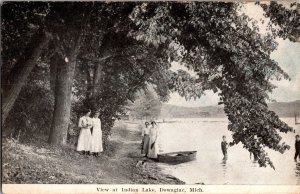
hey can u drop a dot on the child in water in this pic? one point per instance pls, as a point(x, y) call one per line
point(224, 146)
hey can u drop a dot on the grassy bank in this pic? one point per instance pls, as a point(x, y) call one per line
point(41, 163)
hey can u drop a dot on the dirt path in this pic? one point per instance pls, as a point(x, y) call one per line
point(41, 163)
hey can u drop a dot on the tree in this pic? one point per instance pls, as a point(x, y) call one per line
point(31, 114)
point(21, 71)
point(146, 105)
point(69, 33)
point(74, 35)
point(229, 57)
point(32, 40)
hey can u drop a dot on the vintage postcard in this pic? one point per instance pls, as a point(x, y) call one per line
point(150, 97)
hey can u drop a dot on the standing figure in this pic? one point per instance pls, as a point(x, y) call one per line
point(297, 147)
point(84, 139)
point(145, 139)
point(153, 141)
point(224, 146)
point(255, 149)
point(96, 143)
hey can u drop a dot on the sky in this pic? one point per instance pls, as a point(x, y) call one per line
point(287, 55)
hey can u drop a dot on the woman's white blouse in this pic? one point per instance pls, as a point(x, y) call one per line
point(83, 121)
point(96, 123)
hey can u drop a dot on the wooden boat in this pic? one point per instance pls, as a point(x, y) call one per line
point(177, 157)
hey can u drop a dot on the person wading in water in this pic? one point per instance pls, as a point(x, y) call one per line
point(224, 147)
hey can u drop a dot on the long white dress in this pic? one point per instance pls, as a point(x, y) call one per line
point(85, 136)
point(153, 138)
point(96, 136)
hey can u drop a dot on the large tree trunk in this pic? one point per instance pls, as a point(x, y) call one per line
point(18, 75)
point(63, 92)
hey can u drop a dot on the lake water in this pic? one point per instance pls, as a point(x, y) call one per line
point(205, 136)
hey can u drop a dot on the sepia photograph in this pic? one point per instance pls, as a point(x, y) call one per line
point(150, 96)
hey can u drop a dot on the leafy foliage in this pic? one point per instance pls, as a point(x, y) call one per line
point(146, 106)
point(32, 112)
point(287, 18)
point(19, 22)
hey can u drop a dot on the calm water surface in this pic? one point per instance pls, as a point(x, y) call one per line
point(205, 136)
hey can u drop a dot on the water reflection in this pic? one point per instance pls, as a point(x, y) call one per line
point(223, 163)
point(224, 168)
point(297, 172)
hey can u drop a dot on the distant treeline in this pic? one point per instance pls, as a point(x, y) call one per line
point(282, 109)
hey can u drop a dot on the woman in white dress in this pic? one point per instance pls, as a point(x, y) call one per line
point(96, 146)
point(84, 139)
point(153, 141)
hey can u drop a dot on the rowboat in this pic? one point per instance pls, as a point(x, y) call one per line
point(177, 157)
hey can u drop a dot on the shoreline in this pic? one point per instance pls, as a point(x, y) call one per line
point(150, 172)
point(36, 162)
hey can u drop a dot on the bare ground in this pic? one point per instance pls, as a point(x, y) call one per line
point(41, 163)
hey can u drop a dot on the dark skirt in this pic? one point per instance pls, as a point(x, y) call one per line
point(145, 144)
